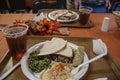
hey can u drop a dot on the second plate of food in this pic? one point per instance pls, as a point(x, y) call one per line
point(63, 15)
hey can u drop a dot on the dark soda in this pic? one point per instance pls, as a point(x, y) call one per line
point(17, 46)
point(16, 39)
point(84, 17)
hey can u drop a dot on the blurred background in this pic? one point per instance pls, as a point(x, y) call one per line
point(32, 6)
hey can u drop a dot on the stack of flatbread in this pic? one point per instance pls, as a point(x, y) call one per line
point(56, 46)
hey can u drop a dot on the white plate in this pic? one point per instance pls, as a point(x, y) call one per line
point(57, 11)
point(32, 76)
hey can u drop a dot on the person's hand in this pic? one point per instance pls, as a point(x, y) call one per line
point(108, 4)
point(77, 3)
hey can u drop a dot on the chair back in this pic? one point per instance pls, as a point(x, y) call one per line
point(97, 5)
point(17, 5)
point(116, 6)
point(4, 8)
point(48, 4)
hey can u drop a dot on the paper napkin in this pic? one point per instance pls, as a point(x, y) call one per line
point(99, 46)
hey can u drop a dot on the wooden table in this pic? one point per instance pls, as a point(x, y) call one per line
point(111, 38)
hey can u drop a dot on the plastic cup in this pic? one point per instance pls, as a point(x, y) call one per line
point(84, 14)
point(16, 38)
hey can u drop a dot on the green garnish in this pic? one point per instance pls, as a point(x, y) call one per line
point(38, 63)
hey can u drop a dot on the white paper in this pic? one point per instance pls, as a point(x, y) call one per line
point(105, 24)
point(98, 47)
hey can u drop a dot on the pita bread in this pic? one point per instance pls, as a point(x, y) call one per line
point(67, 51)
point(59, 13)
point(53, 46)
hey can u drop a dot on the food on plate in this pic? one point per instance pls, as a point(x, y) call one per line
point(63, 15)
point(56, 46)
point(53, 46)
point(56, 58)
point(65, 51)
point(79, 54)
point(58, 71)
point(56, 14)
point(38, 63)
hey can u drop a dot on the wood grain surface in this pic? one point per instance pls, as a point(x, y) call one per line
point(95, 70)
point(111, 38)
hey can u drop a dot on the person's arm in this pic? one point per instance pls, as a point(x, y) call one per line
point(77, 3)
point(108, 4)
